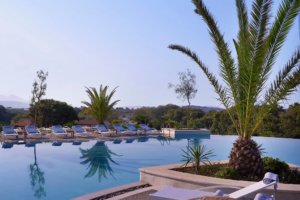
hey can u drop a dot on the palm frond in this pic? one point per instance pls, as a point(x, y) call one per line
point(227, 66)
point(258, 30)
point(286, 15)
point(286, 81)
point(257, 46)
point(243, 35)
point(111, 94)
point(258, 117)
point(222, 92)
point(250, 81)
point(100, 105)
point(242, 52)
point(218, 88)
point(287, 87)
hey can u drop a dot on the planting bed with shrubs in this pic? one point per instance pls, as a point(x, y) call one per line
point(285, 173)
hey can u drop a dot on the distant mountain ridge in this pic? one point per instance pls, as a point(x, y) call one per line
point(206, 108)
point(13, 101)
point(14, 104)
point(203, 108)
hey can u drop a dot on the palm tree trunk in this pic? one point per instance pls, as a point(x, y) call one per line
point(245, 157)
point(34, 150)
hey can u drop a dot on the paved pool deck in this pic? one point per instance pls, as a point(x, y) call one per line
point(161, 176)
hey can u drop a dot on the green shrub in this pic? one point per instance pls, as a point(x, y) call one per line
point(286, 175)
point(293, 177)
point(276, 166)
point(227, 172)
point(117, 121)
point(172, 124)
point(69, 124)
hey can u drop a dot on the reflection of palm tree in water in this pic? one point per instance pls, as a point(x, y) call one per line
point(98, 158)
point(163, 140)
point(37, 178)
point(194, 142)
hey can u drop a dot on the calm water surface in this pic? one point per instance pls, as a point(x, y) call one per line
point(50, 171)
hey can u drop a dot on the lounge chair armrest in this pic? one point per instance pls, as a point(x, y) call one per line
point(212, 198)
point(220, 187)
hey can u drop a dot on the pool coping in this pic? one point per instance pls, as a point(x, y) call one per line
point(164, 176)
point(160, 176)
point(52, 138)
point(106, 191)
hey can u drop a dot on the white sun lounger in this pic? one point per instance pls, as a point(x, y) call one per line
point(132, 128)
point(122, 130)
point(269, 179)
point(149, 130)
point(101, 128)
point(31, 130)
point(8, 131)
point(172, 193)
point(79, 131)
point(58, 130)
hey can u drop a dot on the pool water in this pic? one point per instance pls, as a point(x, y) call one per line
point(67, 170)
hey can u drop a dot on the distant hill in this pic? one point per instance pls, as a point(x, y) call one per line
point(14, 104)
point(13, 101)
point(203, 108)
point(206, 108)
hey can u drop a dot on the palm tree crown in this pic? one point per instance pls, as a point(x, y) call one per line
point(100, 104)
point(257, 46)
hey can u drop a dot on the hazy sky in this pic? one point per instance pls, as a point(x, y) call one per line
point(116, 43)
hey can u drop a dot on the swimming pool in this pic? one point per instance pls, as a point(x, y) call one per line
point(67, 170)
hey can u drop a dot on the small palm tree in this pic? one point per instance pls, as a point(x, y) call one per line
point(100, 105)
point(257, 47)
point(196, 155)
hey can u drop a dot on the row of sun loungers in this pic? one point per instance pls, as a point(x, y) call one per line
point(78, 130)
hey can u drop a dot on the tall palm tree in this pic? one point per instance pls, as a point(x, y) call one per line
point(98, 158)
point(245, 79)
point(100, 105)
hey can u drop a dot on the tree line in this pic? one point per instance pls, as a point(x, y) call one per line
point(279, 122)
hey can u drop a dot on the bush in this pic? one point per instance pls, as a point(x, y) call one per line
point(286, 175)
point(276, 166)
point(69, 124)
point(227, 172)
point(293, 177)
point(117, 121)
